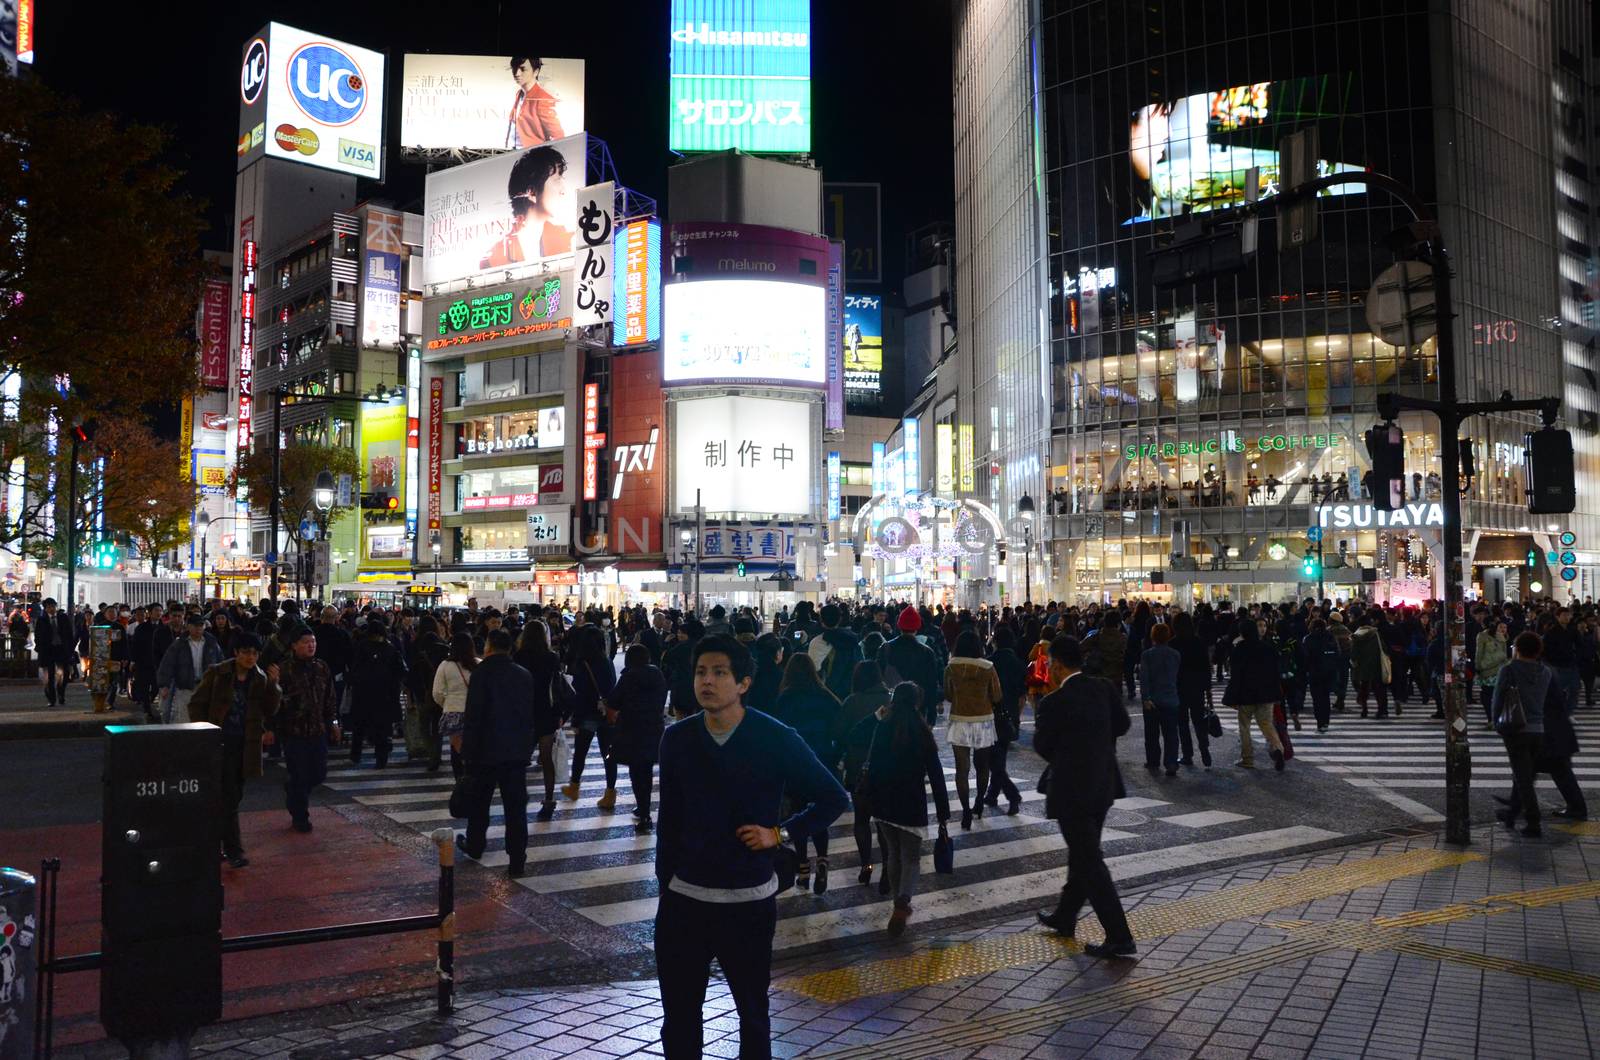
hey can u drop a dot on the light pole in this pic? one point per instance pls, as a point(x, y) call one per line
point(437, 547)
point(1025, 509)
point(203, 524)
point(685, 537)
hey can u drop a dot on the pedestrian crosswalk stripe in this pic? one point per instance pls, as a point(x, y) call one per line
point(1205, 818)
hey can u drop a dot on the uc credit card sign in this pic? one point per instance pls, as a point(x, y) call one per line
point(741, 76)
point(311, 99)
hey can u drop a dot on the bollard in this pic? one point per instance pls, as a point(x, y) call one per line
point(19, 978)
point(445, 966)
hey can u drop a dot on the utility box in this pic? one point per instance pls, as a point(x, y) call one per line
point(161, 883)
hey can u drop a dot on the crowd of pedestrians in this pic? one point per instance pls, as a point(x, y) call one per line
point(767, 728)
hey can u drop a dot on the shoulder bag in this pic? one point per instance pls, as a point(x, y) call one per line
point(1512, 717)
point(563, 698)
point(861, 802)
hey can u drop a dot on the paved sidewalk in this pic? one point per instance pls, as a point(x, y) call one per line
point(25, 715)
point(1405, 948)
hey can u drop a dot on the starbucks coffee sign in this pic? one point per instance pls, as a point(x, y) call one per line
point(1233, 442)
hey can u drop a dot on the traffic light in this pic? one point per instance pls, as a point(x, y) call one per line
point(739, 570)
point(380, 501)
point(1311, 567)
point(103, 555)
point(1547, 466)
point(1386, 482)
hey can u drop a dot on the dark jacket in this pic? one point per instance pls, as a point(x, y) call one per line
point(374, 679)
point(811, 712)
point(1076, 732)
point(852, 729)
point(907, 659)
point(306, 709)
point(497, 728)
point(427, 652)
point(1253, 674)
point(213, 699)
point(53, 637)
point(898, 778)
point(1319, 657)
point(677, 662)
point(1013, 674)
point(1560, 737)
point(708, 792)
point(543, 668)
point(593, 681)
point(1533, 680)
point(838, 664)
point(640, 700)
point(333, 647)
point(1194, 669)
point(177, 666)
point(1103, 654)
point(1158, 676)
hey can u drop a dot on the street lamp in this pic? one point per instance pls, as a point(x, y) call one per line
point(203, 524)
point(437, 548)
point(1025, 509)
point(322, 494)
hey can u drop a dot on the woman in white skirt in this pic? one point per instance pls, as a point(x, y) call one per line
point(973, 688)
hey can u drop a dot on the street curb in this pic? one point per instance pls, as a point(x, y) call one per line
point(29, 725)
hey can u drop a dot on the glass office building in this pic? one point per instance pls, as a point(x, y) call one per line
point(1198, 431)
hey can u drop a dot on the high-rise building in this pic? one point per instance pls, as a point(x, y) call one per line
point(1180, 441)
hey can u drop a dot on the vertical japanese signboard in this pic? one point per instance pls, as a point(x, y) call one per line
point(911, 469)
point(413, 437)
point(593, 441)
point(247, 335)
point(944, 457)
point(833, 485)
point(879, 476)
point(186, 439)
point(596, 217)
point(435, 447)
point(638, 262)
point(380, 280)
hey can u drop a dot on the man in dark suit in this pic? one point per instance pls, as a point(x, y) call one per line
point(496, 743)
point(55, 644)
point(1076, 732)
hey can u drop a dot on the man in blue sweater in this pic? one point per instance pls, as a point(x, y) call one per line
point(724, 774)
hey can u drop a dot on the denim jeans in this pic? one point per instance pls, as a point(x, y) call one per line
point(306, 759)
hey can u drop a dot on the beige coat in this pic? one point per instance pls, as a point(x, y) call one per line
point(973, 688)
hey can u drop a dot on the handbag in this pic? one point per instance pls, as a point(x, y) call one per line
point(1512, 717)
point(1043, 787)
point(1387, 666)
point(944, 852)
point(1213, 724)
point(469, 792)
point(563, 697)
point(863, 807)
point(561, 753)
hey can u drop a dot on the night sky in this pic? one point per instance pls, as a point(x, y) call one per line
point(880, 68)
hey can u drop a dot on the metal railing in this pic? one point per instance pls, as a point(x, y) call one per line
point(442, 921)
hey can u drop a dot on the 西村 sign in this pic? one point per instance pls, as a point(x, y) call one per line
point(1231, 442)
point(741, 76)
point(1365, 517)
point(499, 316)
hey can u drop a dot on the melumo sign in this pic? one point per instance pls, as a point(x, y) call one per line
point(1234, 443)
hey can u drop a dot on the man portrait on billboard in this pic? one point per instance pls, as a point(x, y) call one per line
point(8, 38)
point(545, 206)
point(533, 114)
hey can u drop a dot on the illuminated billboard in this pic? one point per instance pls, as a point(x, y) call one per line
point(1195, 154)
point(741, 76)
point(310, 99)
point(637, 267)
point(500, 213)
point(863, 343)
point(508, 314)
point(745, 455)
point(488, 102)
point(745, 331)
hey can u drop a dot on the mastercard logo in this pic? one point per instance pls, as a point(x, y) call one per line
point(291, 139)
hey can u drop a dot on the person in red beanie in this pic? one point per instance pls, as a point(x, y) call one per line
point(907, 658)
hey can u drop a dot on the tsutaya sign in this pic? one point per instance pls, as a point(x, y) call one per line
point(1233, 442)
point(1365, 517)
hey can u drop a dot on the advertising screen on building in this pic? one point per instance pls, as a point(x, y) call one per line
point(745, 331)
point(510, 210)
point(488, 102)
point(741, 75)
point(380, 280)
point(863, 343)
point(1195, 153)
point(745, 456)
point(310, 99)
point(214, 334)
point(383, 444)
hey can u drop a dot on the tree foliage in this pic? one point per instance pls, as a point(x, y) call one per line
point(299, 466)
point(145, 493)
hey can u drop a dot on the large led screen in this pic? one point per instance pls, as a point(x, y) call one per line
point(745, 456)
point(489, 102)
point(311, 99)
point(741, 76)
point(1195, 154)
point(745, 331)
point(503, 212)
point(863, 342)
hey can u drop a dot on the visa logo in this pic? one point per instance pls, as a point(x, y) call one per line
point(352, 153)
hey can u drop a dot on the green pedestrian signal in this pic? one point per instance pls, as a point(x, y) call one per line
point(740, 569)
point(1310, 567)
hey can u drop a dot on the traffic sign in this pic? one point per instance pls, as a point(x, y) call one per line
point(1569, 574)
point(1568, 539)
point(1314, 534)
point(1569, 559)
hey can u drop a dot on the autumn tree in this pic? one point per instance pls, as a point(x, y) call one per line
point(100, 273)
point(146, 493)
point(299, 466)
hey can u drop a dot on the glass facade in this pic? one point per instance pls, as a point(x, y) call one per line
point(1201, 427)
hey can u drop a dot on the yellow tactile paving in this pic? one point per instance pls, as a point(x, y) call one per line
point(1309, 937)
point(1581, 828)
point(1148, 922)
